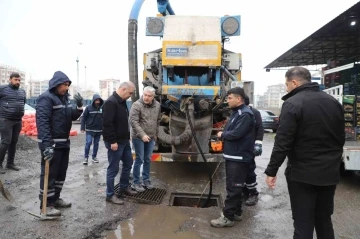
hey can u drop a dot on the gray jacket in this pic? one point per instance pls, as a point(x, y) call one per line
point(144, 119)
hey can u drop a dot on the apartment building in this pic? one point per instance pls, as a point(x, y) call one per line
point(5, 72)
point(107, 87)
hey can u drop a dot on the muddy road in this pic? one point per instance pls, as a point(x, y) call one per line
point(91, 217)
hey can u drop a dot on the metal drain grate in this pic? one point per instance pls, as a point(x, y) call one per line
point(153, 196)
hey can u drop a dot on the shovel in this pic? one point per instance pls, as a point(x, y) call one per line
point(6, 193)
point(42, 216)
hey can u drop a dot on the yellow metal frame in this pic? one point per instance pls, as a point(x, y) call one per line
point(190, 62)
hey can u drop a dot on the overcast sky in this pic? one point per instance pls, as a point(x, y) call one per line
point(43, 36)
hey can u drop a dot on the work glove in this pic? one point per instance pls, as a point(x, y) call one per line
point(79, 100)
point(48, 153)
point(258, 148)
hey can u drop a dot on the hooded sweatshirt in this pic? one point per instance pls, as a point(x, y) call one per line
point(54, 115)
point(92, 120)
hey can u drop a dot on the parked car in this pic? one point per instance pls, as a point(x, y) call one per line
point(28, 109)
point(269, 120)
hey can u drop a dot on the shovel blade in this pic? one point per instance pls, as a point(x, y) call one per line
point(6, 193)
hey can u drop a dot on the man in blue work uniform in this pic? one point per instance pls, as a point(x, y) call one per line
point(238, 137)
point(92, 123)
point(54, 116)
point(250, 192)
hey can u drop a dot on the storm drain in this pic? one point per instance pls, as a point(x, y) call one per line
point(153, 196)
point(194, 200)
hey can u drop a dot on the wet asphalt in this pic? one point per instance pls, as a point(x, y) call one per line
point(91, 217)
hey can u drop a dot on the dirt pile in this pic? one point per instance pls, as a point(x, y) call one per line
point(26, 143)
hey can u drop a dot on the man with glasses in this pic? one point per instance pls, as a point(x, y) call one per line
point(116, 134)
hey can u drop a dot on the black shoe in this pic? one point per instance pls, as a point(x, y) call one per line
point(252, 200)
point(12, 167)
point(2, 170)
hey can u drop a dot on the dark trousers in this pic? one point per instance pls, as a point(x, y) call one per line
point(57, 174)
point(10, 130)
point(235, 182)
point(123, 153)
point(312, 206)
point(250, 181)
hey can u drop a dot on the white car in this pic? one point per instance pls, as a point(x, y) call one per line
point(29, 109)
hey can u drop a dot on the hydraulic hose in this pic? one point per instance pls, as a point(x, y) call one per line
point(202, 155)
point(132, 47)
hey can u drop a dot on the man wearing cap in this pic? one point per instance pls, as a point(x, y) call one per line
point(54, 116)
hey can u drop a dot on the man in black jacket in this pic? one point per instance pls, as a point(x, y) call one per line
point(116, 134)
point(12, 101)
point(92, 123)
point(311, 134)
point(54, 116)
point(238, 137)
point(250, 191)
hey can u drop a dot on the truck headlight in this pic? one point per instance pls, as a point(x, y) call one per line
point(230, 25)
point(155, 25)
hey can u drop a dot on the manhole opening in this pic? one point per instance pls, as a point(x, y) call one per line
point(194, 200)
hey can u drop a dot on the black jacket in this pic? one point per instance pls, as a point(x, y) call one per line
point(92, 120)
point(12, 101)
point(238, 135)
point(54, 115)
point(259, 128)
point(116, 125)
point(311, 134)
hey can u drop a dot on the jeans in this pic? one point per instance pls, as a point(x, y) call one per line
point(235, 182)
point(123, 153)
point(312, 206)
point(143, 153)
point(89, 138)
point(10, 130)
point(57, 174)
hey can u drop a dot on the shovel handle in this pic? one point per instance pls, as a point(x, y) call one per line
point(46, 182)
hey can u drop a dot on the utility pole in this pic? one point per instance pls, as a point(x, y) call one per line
point(77, 65)
point(85, 78)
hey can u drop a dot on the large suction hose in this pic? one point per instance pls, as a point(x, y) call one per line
point(192, 123)
point(132, 47)
point(165, 8)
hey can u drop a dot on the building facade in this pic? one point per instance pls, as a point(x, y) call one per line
point(271, 99)
point(5, 72)
point(107, 87)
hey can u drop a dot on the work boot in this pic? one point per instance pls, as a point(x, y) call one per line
point(138, 187)
point(148, 185)
point(222, 221)
point(237, 217)
point(62, 204)
point(252, 200)
point(94, 160)
point(85, 162)
point(12, 167)
point(51, 211)
point(128, 191)
point(2, 170)
point(113, 199)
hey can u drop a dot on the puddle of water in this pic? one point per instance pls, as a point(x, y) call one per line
point(156, 222)
point(266, 198)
